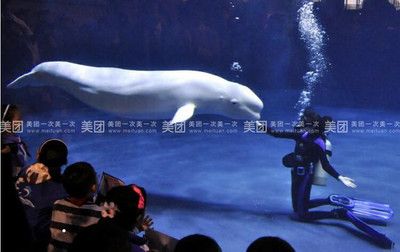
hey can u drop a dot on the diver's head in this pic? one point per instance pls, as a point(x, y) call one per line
point(323, 124)
point(309, 116)
point(308, 120)
point(240, 102)
point(314, 123)
point(319, 126)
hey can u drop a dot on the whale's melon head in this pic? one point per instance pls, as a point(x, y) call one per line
point(240, 102)
point(34, 78)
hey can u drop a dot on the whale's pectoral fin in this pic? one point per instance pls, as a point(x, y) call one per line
point(183, 113)
point(89, 90)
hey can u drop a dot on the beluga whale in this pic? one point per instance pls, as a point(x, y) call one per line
point(176, 94)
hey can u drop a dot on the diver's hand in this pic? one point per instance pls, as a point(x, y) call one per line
point(347, 181)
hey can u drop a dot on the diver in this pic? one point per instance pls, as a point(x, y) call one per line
point(306, 121)
point(310, 149)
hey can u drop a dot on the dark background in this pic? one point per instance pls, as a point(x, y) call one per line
point(363, 46)
point(185, 173)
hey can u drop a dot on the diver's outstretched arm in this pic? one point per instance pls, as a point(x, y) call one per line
point(283, 134)
point(349, 182)
point(280, 133)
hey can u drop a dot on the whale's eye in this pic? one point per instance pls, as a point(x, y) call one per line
point(234, 101)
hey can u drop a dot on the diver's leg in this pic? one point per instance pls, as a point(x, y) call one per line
point(314, 202)
point(303, 190)
point(295, 184)
point(317, 215)
point(379, 238)
point(303, 200)
point(300, 189)
point(318, 202)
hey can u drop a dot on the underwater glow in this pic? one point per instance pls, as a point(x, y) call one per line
point(313, 36)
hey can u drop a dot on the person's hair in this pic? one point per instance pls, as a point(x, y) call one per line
point(197, 243)
point(78, 179)
point(307, 120)
point(270, 244)
point(131, 202)
point(8, 112)
point(322, 124)
point(309, 115)
point(53, 153)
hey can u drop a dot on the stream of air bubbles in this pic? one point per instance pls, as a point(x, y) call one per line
point(313, 35)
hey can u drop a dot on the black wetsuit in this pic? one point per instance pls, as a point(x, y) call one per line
point(311, 149)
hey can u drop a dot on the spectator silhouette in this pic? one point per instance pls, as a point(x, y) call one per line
point(122, 212)
point(77, 210)
point(197, 243)
point(270, 244)
point(39, 186)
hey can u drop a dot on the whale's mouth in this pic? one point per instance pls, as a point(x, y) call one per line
point(255, 109)
point(254, 115)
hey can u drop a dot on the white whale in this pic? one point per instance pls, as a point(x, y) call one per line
point(147, 94)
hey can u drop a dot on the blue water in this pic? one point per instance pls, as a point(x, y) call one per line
point(232, 187)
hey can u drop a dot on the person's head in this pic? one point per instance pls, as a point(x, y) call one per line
point(131, 203)
point(197, 243)
point(309, 116)
point(10, 112)
point(320, 126)
point(314, 123)
point(323, 122)
point(270, 244)
point(307, 120)
point(53, 153)
point(79, 180)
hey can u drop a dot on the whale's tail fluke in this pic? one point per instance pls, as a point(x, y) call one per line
point(27, 79)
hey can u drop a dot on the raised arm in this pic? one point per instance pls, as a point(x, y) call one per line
point(283, 134)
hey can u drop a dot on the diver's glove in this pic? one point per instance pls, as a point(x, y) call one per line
point(347, 181)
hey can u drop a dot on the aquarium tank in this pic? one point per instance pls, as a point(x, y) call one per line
point(190, 99)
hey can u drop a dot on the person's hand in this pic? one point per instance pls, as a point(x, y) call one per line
point(347, 181)
point(6, 149)
point(147, 223)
